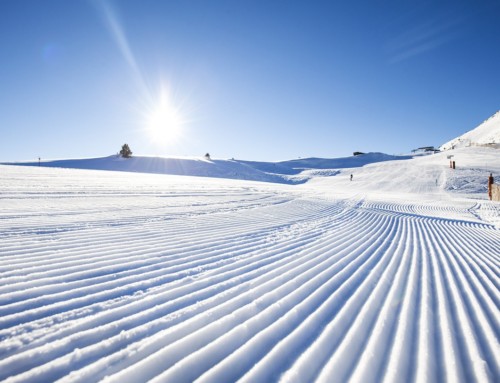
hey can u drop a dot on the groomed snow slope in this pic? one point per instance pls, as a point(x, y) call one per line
point(123, 277)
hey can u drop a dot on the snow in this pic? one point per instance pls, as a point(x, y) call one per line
point(487, 133)
point(289, 172)
point(118, 276)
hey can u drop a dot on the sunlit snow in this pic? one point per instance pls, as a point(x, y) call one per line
point(309, 276)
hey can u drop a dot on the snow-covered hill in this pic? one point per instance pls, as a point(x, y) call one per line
point(487, 133)
point(277, 172)
point(428, 174)
point(117, 276)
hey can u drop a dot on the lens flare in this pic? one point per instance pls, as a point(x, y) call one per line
point(164, 121)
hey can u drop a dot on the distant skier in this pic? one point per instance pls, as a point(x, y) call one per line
point(351, 177)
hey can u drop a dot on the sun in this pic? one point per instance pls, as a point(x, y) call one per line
point(164, 122)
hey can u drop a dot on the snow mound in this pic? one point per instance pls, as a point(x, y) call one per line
point(196, 167)
point(276, 172)
point(422, 175)
point(486, 134)
point(342, 163)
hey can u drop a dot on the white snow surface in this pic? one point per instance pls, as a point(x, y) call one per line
point(289, 172)
point(487, 133)
point(129, 277)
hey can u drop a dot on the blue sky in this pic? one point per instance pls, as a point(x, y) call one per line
point(257, 80)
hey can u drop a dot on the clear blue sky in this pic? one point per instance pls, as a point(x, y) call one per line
point(257, 80)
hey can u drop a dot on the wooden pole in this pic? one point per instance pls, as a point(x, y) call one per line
point(490, 186)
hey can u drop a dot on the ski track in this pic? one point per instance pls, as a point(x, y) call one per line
point(179, 279)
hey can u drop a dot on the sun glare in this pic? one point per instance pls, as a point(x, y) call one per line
point(164, 122)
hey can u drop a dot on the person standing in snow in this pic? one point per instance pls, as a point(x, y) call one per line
point(351, 177)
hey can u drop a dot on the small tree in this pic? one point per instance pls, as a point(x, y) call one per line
point(125, 152)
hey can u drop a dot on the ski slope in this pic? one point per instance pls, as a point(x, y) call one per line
point(129, 277)
point(287, 172)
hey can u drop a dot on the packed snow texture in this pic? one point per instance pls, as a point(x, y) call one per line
point(129, 277)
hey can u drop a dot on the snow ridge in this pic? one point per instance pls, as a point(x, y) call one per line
point(277, 172)
point(486, 134)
